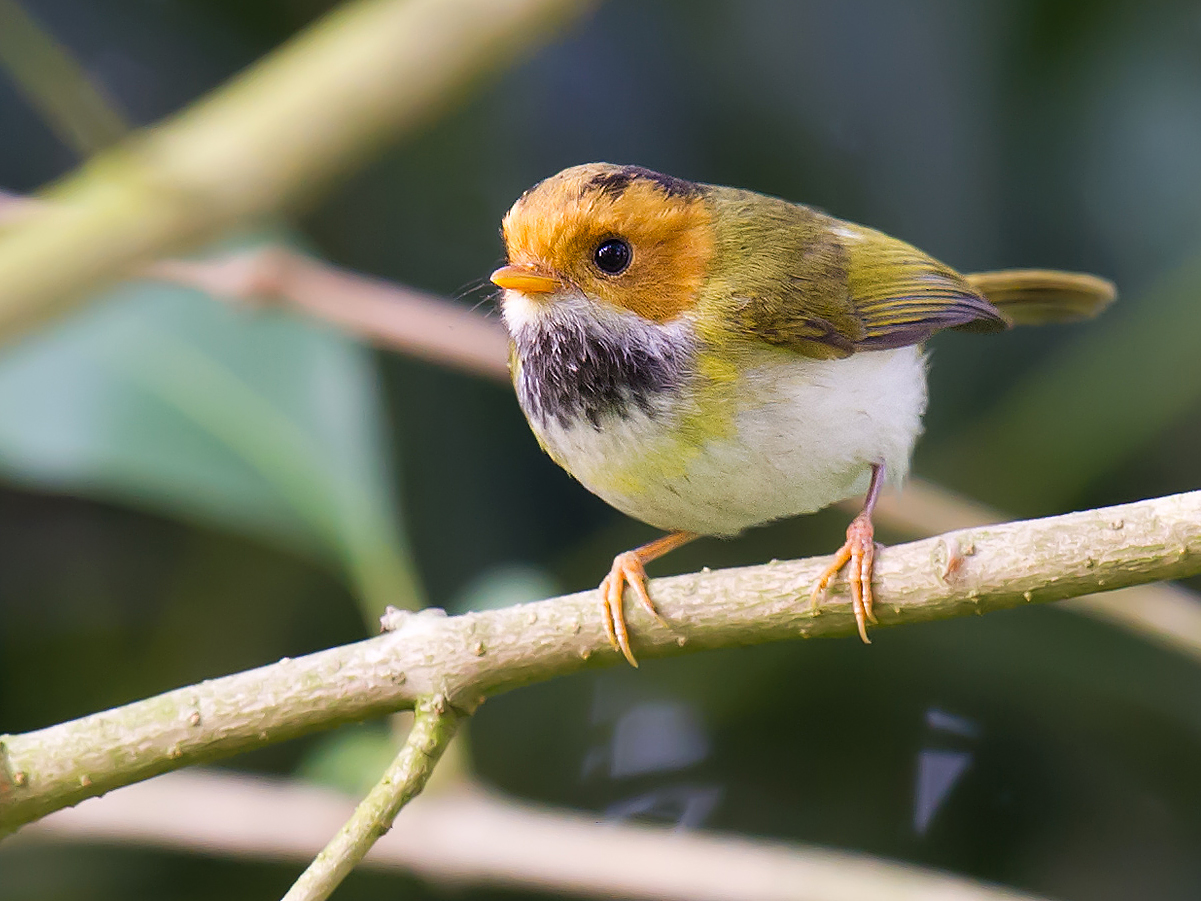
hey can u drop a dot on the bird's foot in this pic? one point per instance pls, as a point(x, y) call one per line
point(860, 551)
point(627, 569)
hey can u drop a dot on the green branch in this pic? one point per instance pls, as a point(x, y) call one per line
point(433, 728)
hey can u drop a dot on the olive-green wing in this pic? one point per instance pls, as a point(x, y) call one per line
point(781, 276)
point(826, 288)
point(903, 296)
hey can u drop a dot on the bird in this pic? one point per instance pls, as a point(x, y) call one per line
point(707, 358)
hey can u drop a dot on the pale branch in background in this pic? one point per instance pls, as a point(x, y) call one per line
point(466, 658)
point(388, 315)
point(367, 72)
point(433, 727)
point(468, 835)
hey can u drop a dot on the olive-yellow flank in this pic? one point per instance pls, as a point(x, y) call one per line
point(707, 359)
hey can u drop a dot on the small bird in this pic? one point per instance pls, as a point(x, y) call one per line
point(707, 359)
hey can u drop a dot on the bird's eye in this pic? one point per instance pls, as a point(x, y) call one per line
point(612, 256)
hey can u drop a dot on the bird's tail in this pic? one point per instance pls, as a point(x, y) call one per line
point(1038, 296)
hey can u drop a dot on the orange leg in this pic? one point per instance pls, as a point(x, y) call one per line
point(629, 569)
point(860, 551)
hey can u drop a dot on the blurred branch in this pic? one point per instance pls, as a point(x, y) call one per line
point(470, 836)
point(466, 658)
point(366, 72)
point(389, 315)
point(394, 317)
point(73, 105)
point(433, 728)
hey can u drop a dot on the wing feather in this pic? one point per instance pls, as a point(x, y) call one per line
point(902, 296)
point(826, 288)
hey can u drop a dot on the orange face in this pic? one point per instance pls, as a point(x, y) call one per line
point(623, 235)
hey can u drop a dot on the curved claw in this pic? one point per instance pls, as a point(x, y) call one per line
point(627, 569)
point(860, 551)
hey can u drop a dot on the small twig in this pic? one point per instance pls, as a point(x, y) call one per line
point(433, 727)
point(466, 658)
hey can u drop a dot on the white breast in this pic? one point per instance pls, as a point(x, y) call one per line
point(804, 436)
point(790, 435)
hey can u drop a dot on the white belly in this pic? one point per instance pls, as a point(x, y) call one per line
point(803, 435)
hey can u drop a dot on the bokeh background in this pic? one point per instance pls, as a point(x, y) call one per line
point(191, 489)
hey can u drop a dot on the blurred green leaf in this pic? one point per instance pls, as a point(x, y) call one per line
point(258, 422)
point(505, 586)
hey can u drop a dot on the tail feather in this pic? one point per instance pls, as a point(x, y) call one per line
point(1039, 296)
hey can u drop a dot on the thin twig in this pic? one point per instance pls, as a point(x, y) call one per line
point(468, 835)
point(466, 658)
point(433, 727)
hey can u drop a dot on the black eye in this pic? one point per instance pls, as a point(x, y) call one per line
point(612, 256)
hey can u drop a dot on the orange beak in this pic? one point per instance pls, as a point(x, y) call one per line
point(518, 278)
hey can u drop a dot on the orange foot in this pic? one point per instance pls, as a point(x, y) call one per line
point(629, 569)
point(860, 551)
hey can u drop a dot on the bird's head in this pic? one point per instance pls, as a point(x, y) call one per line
point(613, 237)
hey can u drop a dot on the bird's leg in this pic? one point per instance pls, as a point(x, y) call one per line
point(629, 569)
point(860, 551)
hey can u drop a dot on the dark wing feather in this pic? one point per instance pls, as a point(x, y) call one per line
point(903, 296)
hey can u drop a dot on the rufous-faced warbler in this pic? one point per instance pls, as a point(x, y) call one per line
point(707, 359)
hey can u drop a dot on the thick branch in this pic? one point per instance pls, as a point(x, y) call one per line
point(433, 728)
point(465, 658)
